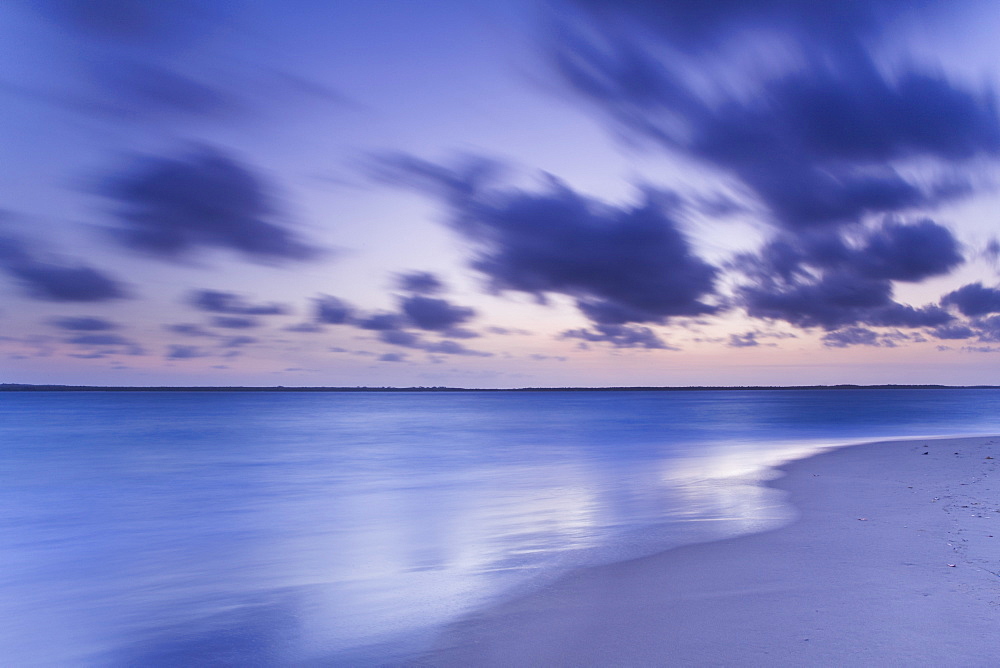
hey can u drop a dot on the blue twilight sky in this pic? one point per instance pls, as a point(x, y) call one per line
point(499, 193)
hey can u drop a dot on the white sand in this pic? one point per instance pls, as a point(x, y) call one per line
point(893, 561)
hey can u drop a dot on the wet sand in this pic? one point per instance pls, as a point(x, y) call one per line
point(894, 559)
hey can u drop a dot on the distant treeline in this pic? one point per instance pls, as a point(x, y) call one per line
point(20, 387)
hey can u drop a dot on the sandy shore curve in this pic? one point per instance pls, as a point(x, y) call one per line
point(894, 560)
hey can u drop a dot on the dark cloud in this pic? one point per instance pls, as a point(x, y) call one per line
point(837, 300)
point(83, 324)
point(974, 299)
point(55, 279)
point(189, 329)
point(953, 332)
point(745, 340)
point(144, 87)
point(696, 25)
point(382, 321)
point(992, 250)
point(815, 145)
point(852, 336)
point(988, 329)
point(619, 336)
point(399, 337)
point(174, 207)
point(59, 283)
point(420, 282)
point(238, 341)
point(544, 358)
point(860, 336)
point(130, 21)
point(332, 311)
point(392, 357)
point(305, 327)
point(434, 314)
point(449, 347)
point(234, 322)
point(416, 310)
point(904, 315)
point(459, 333)
point(717, 205)
point(107, 344)
point(217, 301)
point(831, 279)
point(99, 340)
point(908, 252)
point(622, 264)
point(180, 352)
point(508, 331)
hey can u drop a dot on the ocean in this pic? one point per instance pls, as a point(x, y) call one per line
point(281, 528)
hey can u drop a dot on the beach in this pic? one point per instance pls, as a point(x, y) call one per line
point(892, 560)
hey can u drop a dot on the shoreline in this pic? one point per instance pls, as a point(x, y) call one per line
point(891, 560)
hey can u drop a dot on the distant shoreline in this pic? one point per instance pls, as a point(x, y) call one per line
point(23, 387)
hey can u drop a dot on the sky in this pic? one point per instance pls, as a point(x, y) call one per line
point(506, 193)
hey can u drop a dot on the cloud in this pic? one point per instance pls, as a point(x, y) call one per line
point(382, 321)
point(238, 341)
point(844, 277)
point(974, 299)
point(234, 322)
point(83, 324)
point(416, 310)
point(216, 301)
point(988, 329)
point(189, 329)
point(953, 332)
point(507, 331)
point(172, 208)
point(59, 283)
point(543, 358)
point(619, 336)
point(745, 340)
point(129, 21)
point(399, 337)
point(392, 357)
point(852, 336)
point(420, 283)
point(108, 343)
point(817, 145)
point(332, 311)
point(99, 340)
point(859, 336)
point(449, 347)
point(459, 333)
point(434, 314)
point(181, 352)
point(697, 26)
point(820, 142)
point(622, 263)
point(138, 87)
point(908, 252)
point(305, 327)
point(837, 300)
point(56, 280)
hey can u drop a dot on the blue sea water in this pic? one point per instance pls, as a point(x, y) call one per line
point(176, 528)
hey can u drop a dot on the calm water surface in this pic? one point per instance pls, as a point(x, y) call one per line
point(166, 529)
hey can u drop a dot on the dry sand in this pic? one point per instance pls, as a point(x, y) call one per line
point(893, 561)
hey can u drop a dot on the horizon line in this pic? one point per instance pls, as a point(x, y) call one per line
point(55, 387)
